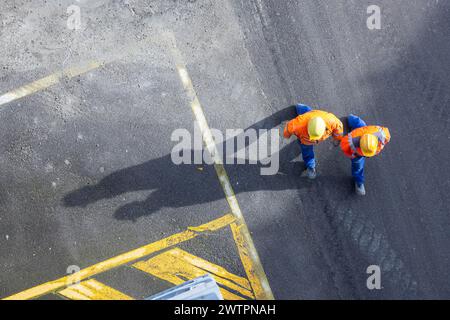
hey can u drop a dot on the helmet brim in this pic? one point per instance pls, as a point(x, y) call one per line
point(369, 154)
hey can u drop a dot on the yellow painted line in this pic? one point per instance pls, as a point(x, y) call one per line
point(259, 281)
point(128, 48)
point(246, 258)
point(178, 266)
point(93, 290)
point(122, 259)
point(47, 82)
point(212, 268)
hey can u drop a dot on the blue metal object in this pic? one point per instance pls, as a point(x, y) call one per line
point(202, 288)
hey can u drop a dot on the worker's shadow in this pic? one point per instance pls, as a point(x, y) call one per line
point(185, 185)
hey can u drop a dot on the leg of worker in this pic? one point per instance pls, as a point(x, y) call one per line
point(358, 170)
point(308, 155)
point(355, 122)
point(302, 108)
point(307, 151)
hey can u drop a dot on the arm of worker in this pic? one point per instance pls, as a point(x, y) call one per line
point(288, 130)
point(337, 130)
point(387, 135)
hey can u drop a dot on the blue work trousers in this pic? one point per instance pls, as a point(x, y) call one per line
point(355, 122)
point(307, 151)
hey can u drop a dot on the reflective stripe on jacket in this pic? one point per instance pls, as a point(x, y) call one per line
point(299, 127)
point(350, 143)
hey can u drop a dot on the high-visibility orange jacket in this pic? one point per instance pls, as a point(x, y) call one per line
point(299, 127)
point(350, 143)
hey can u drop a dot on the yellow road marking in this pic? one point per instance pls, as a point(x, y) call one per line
point(258, 278)
point(122, 259)
point(178, 266)
point(128, 49)
point(47, 82)
point(246, 259)
point(93, 290)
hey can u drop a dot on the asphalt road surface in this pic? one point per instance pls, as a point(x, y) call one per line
point(86, 162)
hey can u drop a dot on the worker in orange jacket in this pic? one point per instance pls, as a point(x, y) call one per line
point(363, 142)
point(312, 127)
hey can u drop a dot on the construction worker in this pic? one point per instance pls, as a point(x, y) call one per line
point(311, 127)
point(363, 142)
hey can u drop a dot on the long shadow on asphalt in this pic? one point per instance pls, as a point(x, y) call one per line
point(184, 185)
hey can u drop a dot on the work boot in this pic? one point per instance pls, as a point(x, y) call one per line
point(311, 173)
point(360, 190)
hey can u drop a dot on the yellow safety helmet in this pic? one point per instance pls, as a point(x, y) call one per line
point(369, 145)
point(316, 128)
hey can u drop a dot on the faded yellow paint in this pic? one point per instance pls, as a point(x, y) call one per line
point(178, 266)
point(93, 290)
point(47, 82)
point(122, 259)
